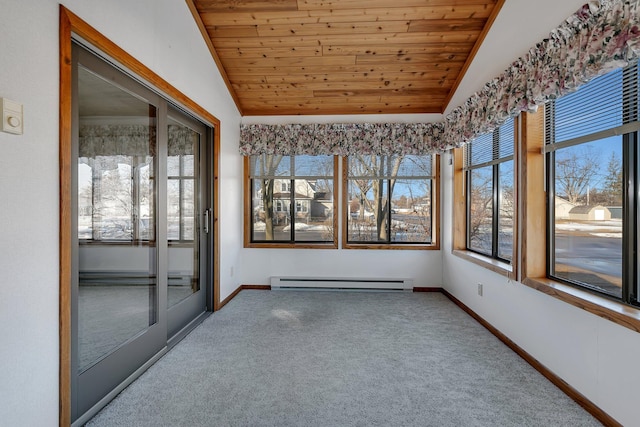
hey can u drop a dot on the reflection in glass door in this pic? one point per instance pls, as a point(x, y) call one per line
point(185, 232)
point(141, 215)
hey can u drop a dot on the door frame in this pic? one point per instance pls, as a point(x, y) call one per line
point(73, 28)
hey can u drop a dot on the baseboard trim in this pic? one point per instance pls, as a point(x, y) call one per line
point(567, 389)
point(257, 287)
point(240, 288)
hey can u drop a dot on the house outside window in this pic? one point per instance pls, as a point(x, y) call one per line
point(592, 170)
point(302, 212)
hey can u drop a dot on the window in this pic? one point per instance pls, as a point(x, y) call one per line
point(591, 140)
point(390, 200)
point(489, 189)
point(115, 198)
point(181, 192)
point(291, 200)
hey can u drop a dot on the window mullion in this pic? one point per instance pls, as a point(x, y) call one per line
point(292, 205)
point(495, 214)
point(388, 210)
point(630, 219)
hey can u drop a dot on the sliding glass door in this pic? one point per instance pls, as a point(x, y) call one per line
point(187, 238)
point(141, 211)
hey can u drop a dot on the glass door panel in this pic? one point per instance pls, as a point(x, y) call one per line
point(182, 209)
point(141, 253)
point(117, 321)
point(117, 292)
point(185, 232)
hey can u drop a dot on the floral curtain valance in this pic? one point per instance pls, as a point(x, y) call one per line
point(600, 37)
point(340, 139)
point(132, 140)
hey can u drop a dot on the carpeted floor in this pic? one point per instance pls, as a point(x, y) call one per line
point(313, 358)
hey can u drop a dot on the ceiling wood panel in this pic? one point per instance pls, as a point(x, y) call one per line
point(343, 56)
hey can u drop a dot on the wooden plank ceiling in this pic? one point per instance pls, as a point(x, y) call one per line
point(302, 57)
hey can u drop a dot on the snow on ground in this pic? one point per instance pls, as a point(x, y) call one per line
point(305, 227)
point(612, 229)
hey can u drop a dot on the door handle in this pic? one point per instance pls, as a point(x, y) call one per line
point(206, 220)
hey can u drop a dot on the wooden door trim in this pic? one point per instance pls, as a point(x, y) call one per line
point(71, 25)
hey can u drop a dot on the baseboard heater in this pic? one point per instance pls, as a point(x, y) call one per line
point(341, 283)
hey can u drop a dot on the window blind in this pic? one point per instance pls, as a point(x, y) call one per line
point(491, 148)
point(606, 106)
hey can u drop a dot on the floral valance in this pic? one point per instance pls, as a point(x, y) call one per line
point(340, 138)
point(600, 37)
point(132, 140)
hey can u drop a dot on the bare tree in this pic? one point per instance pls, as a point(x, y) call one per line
point(481, 206)
point(377, 169)
point(268, 164)
point(613, 181)
point(575, 173)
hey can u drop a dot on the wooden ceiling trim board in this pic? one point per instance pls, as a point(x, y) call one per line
point(420, 58)
point(212, 51)
point(426, 25)
point(274, 52)
point(398, 93)
point(262, 18)
point(341, 29)
point(346, 15)
point(327, 80)
point(398, 49)
point(232, 31)
point(271, 94)
point(308, 61)
point(364, 4)
point(269, 110)
point(400, 14)
point(474, 51)
point(363, 39)
point(405, 68)
point(252, 5)
point(368, 85)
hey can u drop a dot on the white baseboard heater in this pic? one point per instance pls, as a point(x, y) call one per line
point(341, 283)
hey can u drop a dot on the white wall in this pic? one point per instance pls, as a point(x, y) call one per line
point(258, 265)
point(595, 356)
point(162, 35)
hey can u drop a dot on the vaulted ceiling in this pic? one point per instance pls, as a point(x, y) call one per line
point(305, 57)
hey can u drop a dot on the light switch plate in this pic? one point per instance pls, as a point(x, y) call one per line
point(12, 117)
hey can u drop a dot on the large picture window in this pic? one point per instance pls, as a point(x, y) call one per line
point(292, 199)
point(390, 200)
point(489, 189)
point(592, 173)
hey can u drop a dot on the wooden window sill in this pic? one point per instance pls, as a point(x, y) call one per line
point(329, 245)
point(492, 264)
point(614, 311)
point(391, 246)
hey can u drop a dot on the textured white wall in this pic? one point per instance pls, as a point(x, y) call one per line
point(595, 356)
point(29, 217)
point(162, 35)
